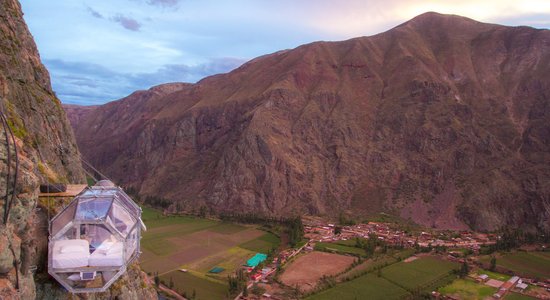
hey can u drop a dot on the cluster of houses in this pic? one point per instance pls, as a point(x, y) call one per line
point(271, 267)
point(513, 284)
point(325, 232)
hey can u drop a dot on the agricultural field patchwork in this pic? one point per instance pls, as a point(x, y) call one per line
point(204, 288)
point(419, 273)
point(532, 264)
point(365, 287)
point(262, 244)
point(396, 281)
point(198, 245)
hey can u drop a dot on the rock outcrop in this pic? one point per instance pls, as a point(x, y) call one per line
point(47, 153)
point(442, 119)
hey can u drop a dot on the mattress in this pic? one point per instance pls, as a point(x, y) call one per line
point(70, 254)
point(113, 257)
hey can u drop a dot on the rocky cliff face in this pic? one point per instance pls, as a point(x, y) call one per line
point(47, 153)
point(442, 119)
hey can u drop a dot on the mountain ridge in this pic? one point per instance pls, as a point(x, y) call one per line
point(409, 121)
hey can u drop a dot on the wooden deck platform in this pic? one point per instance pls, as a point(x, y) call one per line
point(72, 190)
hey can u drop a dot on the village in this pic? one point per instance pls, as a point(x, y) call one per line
point(328, 232)
point(316, 231)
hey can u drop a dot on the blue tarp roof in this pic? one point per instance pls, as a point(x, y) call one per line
point(256, 259)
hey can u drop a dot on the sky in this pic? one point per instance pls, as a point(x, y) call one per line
point(102, 50)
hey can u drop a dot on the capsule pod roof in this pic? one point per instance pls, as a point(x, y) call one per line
point(94, 238)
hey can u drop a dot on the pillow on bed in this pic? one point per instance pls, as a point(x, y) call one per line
point(104, 247)
point(72, 249)
point(115, 249)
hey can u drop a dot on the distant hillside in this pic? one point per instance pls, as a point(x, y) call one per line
point(442, 119)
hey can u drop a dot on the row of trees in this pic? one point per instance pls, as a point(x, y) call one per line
point(294, 225)
point(513, 238)
point(237, 283)
point(153, 201)
point(295, 230)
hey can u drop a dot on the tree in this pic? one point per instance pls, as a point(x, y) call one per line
point(257, 290)
point(359, 243)
point(493, 264)
point(464, 270)
point(370, 244)
point(157, 279)
point(203, 211)
point(295, 231)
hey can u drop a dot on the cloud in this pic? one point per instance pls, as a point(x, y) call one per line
point(127, 22)
point(95, 13)
point(163, 3)
point(185, 73)
point(538, 20)
point(91, 84)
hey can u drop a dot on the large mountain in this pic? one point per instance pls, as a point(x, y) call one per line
point(442, 119)
point(47, 152)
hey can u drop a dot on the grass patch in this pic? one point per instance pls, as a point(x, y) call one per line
point(158, 246)
point(301, 243)
point(230, 260)
point(403, 254)
point(516, 296)
point(365, 287)
point(495, 275)
point(183, 226)
point(149, 215)
point(350, 242)
point(420, 273)
point(204, 288)
point(322, 246)
point(393, 219)
point(467, 289)
point(156, 219)
point(262, 244)
point(532, 264)
point(227, 228)
point(368, 266)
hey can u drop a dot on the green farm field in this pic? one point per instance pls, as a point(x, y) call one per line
point(365, 287)
point(204, 288)
point(532, 264)
point(322, 246)
point(262, 244)
point(198, 245)
point(419, 273)
point(395, 282)
point(516, 296)
point(467, 289)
